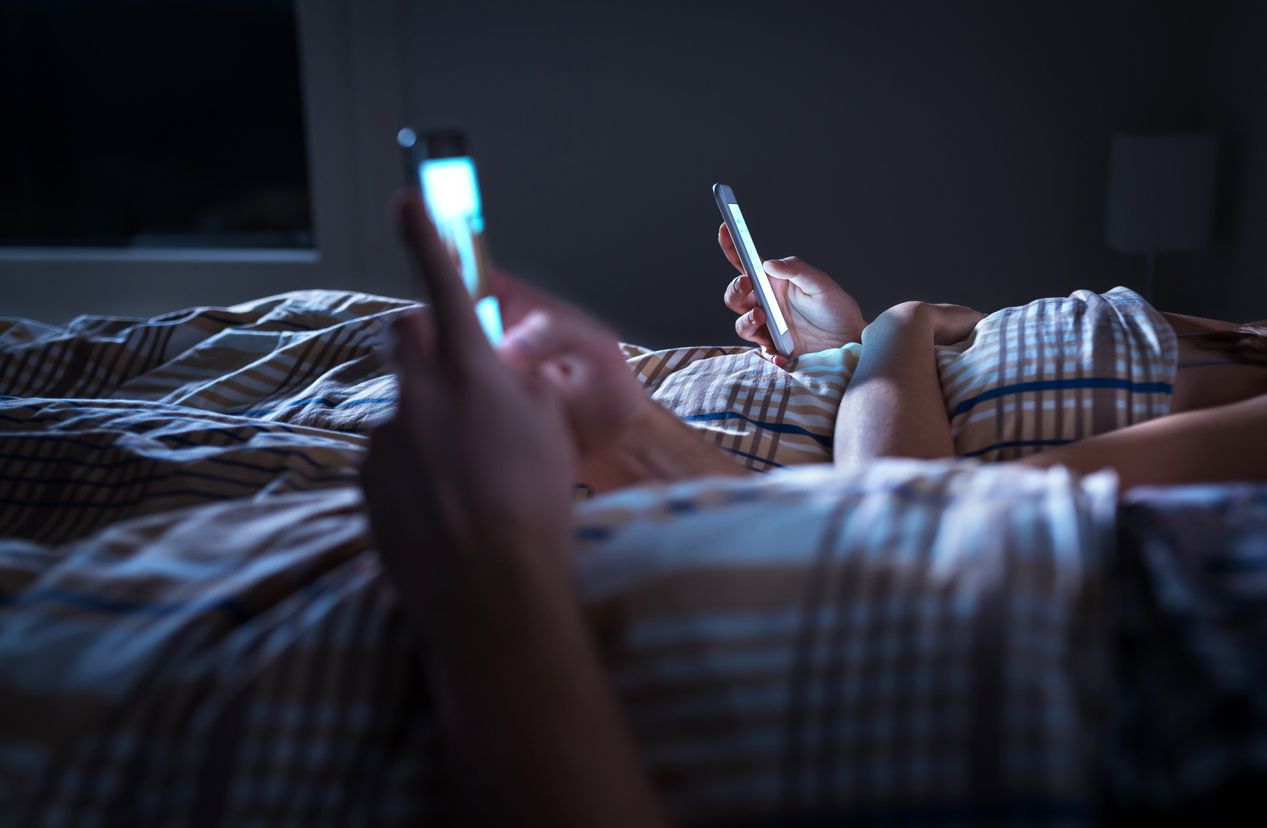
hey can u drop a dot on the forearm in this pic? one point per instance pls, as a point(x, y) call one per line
point(657, 447)
point(893, 406)
point(1212, 445)
point(534, 727)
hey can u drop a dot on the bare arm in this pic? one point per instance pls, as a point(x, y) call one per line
point(893, 406)
point(1215, 444)
point(534, 725)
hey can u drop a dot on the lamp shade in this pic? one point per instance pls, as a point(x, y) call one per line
point(1161, 192)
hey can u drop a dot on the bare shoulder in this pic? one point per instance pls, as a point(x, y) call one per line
point(1187, 325)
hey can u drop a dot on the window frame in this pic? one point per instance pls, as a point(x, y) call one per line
point(352, 77)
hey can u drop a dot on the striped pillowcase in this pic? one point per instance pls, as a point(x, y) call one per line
point(764, 416)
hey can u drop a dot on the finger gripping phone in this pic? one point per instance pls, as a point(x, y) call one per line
point(440, 163)
point(776, 321)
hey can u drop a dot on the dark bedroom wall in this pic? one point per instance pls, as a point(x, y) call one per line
point(950, 151)
point(1231, 281)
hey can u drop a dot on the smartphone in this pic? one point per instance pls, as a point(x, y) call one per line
point(776, 322)
point(440, 163)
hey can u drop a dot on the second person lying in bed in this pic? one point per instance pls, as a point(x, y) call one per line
point(1031, 382)
point(1045, 374)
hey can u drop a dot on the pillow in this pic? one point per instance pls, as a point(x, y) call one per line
point(764, 416)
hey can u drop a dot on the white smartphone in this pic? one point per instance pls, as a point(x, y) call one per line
point(776, 320)
point(440, 162)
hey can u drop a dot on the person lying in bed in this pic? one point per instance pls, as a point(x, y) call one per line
point(474, 528)
point(894, 403)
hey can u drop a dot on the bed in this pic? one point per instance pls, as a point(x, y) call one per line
point(194, 628)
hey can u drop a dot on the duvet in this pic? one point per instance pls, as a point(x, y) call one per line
point(194, 628)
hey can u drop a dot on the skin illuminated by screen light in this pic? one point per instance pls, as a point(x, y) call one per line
point(755, 269)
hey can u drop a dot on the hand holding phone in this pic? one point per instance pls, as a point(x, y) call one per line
point(819, 313)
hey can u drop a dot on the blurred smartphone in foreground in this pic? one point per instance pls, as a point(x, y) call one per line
point(440, 163)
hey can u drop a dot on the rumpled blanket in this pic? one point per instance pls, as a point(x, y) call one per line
point(855, 650)
point(194, 628)
point(1188, 711)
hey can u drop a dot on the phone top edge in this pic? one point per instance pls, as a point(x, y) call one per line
point(444, 143)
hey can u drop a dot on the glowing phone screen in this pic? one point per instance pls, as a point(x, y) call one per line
point(453, 202)
point(755, 270)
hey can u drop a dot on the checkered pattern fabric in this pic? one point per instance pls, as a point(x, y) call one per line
point(891, 645)
point(304, 358)
point(1028, 378)
point(238, 663)
point(193, 628)
point(1057, 371)
point(1043, 374)
point(763, 416)
point(855, 652)
point(1190, 652)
